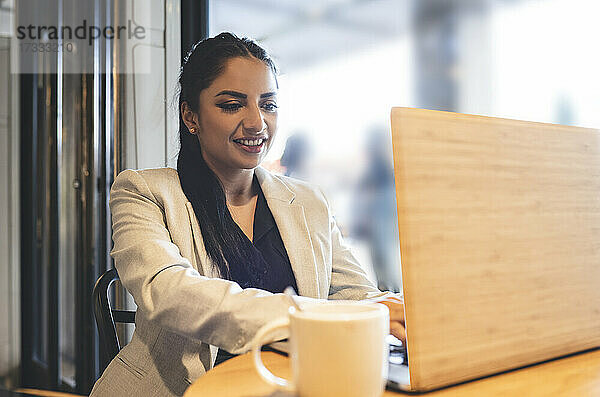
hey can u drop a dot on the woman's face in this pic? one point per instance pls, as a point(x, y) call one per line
point(237, 116)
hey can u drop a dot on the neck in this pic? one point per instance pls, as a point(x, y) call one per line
point(238, 186)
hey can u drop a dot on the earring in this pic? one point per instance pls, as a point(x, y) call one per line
point(192, 130)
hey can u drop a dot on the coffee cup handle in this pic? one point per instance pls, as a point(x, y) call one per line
point(264, 373)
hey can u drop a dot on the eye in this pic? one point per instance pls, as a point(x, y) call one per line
point(230, 107)
point(270, 106)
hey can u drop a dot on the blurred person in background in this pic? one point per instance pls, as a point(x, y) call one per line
point(207, 249)
point(295, 155)
point(375, 216)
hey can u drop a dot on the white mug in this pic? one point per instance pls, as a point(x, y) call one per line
point(337, 348)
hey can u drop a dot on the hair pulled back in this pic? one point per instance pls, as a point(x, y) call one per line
point(225, 243)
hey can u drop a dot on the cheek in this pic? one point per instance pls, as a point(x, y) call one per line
point(272, 124)
point(218, 126)
point(211, 119)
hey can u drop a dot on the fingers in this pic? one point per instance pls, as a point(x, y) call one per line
point(397, 329)
point(396, 309)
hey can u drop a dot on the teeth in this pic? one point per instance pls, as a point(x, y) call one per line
point(248, 142)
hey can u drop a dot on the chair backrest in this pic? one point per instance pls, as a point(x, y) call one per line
point(107, 317)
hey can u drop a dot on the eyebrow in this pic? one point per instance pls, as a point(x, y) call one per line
point(244, 96)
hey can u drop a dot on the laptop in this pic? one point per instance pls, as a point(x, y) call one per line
point(499, 225)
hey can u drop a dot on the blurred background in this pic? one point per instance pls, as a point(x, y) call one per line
point(71, 120)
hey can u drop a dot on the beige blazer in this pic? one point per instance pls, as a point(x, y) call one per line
point(185, 313)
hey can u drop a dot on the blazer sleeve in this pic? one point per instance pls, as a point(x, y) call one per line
point(348, 278)
point(166, 287)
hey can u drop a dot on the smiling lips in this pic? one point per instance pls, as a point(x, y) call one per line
point(251, 145)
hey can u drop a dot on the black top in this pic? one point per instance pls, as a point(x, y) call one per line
point(277, 269)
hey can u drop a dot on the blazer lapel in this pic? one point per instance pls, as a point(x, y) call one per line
point(292, 225)
point(293, 228)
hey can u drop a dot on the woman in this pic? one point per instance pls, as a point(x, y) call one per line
point(207, 249)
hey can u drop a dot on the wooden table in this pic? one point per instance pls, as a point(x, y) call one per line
point(576, 375)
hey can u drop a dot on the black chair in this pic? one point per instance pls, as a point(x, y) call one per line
point(107, 317)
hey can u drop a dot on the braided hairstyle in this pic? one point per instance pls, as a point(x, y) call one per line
point(226, 244)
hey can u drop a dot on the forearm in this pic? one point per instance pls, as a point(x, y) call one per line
point(168, 290)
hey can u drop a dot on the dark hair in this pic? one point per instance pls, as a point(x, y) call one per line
point(225, 243)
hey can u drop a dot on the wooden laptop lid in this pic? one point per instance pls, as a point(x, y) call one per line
point(500, 242)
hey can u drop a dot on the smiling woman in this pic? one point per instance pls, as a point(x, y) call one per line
point(221, 124)
point(236, 126)
point(207, 250)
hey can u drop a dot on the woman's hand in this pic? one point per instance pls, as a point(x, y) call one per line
point(396, 307)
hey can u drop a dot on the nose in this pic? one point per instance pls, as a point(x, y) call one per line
point(254, 122)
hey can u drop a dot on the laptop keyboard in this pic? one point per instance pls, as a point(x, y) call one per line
point(398, 355)
point(398, 375)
